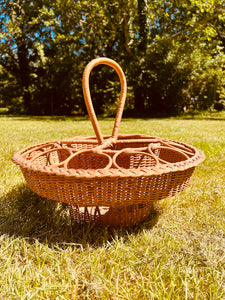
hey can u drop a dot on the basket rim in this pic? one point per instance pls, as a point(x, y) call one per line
point(191, 162)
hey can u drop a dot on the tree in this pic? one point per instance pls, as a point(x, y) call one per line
point(180, 45)
point(21, 32)
point(38, 53)
point(171, 51)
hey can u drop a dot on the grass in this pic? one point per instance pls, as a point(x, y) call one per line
point(177, 253)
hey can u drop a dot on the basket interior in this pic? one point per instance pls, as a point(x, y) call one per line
point(86, 161)
point(135, 161)
point(169, 155)
point(125, 154)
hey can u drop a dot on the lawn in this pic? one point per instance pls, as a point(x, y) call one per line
point(178, 252)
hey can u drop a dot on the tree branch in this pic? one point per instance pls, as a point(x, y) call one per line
point(204, 21)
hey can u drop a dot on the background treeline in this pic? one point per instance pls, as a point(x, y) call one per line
point(172, 52)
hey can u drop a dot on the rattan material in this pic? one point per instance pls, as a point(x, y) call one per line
point(111, 180)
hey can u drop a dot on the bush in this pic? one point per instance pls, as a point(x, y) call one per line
point(219, 105)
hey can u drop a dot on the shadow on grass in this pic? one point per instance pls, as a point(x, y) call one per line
point(25, 214)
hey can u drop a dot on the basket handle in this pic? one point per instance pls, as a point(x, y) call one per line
point(88, 101)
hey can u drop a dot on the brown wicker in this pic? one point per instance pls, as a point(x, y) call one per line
point(111, 180)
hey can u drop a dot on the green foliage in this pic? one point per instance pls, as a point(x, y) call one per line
point(171, 51)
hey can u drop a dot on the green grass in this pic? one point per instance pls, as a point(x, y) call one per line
point(177, 253)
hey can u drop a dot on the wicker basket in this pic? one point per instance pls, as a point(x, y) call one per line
point(109, 180)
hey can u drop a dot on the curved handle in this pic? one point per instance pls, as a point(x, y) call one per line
point(87, 95)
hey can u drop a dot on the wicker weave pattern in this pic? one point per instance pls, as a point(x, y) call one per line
point(111, 180)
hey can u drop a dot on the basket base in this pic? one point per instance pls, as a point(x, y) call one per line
point(122, 216)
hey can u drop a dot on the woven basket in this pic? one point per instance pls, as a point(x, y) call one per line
point(109, 180)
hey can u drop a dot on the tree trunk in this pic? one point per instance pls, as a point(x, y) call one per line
point(142, 19)
point(24, 73)
point(139, 100)
point(139, 90)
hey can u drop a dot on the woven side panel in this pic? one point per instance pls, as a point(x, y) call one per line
point(107, 191)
